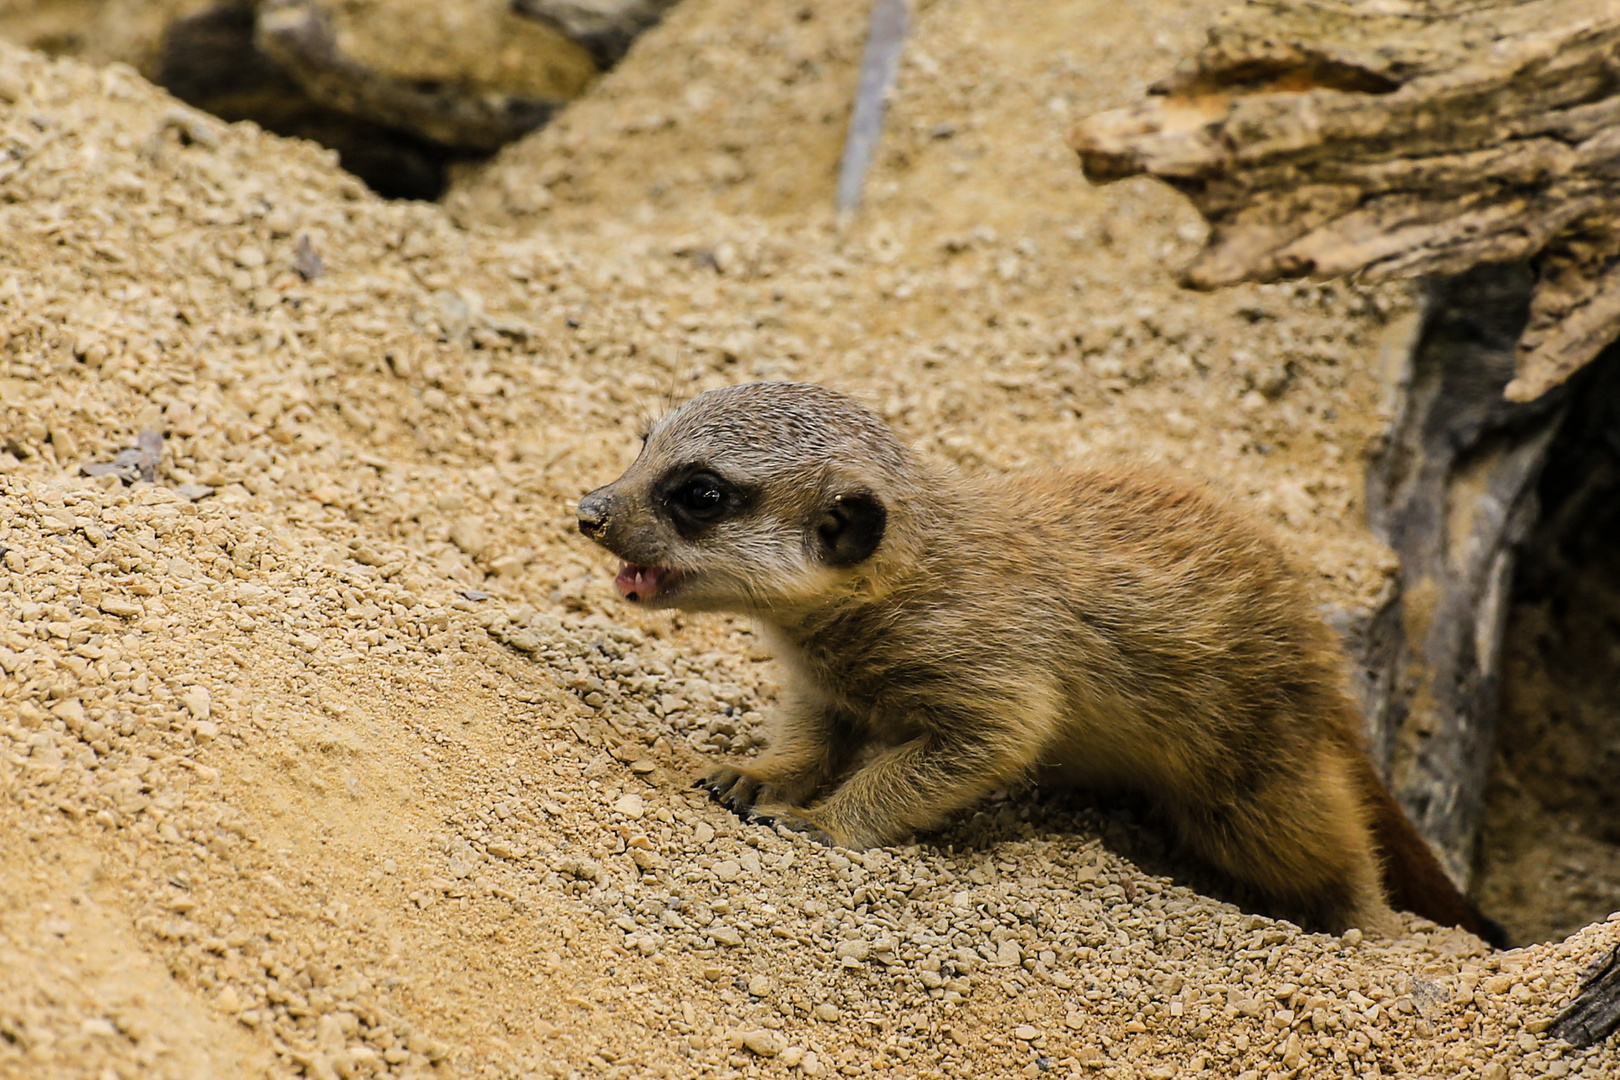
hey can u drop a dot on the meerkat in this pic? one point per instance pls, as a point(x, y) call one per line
point(945, 636)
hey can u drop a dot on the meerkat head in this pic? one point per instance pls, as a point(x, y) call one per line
point(755, 498)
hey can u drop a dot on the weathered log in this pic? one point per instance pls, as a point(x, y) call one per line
point(1595, 1012)
point(1452, 491)
point(1403, 138)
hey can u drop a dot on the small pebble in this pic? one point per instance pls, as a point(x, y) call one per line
point(763, 1042)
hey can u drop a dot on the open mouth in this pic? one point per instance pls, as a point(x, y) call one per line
point(640, 584)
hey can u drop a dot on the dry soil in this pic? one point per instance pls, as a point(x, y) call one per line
point(331, 751)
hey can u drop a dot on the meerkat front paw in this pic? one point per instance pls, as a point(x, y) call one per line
point(735, 789)
point(791, 819)
point(739, 789)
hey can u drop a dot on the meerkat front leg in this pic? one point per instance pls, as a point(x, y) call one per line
point(809, 745)
point(909, 788)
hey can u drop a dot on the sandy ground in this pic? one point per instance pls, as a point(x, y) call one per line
point(332, 751)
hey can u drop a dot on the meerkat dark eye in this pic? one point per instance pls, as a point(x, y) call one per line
point(701, 498)
point(698, 500)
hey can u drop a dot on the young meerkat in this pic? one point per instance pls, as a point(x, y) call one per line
point(943, 636)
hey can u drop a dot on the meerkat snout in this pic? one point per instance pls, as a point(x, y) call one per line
point(593, 512)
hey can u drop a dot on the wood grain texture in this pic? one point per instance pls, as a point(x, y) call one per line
point(1396, 139)
point(1595, 1012)
point(1452, 490)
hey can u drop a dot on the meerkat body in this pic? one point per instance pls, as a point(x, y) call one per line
point(944, 636)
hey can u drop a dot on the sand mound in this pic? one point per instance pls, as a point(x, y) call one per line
point(331, 751)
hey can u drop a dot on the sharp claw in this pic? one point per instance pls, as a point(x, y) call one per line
point(762, 819)
point(702, 781)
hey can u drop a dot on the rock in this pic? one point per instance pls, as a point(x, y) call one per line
point(13, 88)
point(727, 870)
point(469, 535)
point(605, 29)
point(120, 607)
point(318, 1066)
point(198, 702)
point(456, 93)
point(329, 1034)
point(763, 1042)
point(630, 806)
point(854, 949)
point(71, 712)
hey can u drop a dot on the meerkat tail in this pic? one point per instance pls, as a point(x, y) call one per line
point(1413, 877)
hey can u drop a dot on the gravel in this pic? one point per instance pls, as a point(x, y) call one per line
point(355, 767)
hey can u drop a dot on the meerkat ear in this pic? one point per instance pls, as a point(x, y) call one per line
point(851, 527)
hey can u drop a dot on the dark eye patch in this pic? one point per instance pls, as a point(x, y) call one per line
point(697, 498)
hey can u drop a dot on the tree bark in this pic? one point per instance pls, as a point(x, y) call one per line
point(1403, 138)
point(1595, 1012)
point(1453, 492)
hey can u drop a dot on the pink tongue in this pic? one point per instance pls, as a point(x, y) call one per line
point(638, 582)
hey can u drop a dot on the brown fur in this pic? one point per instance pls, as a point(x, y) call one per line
point(943, 636)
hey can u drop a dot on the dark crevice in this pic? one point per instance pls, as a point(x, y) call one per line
point(1549, 859)
point(1492, 678)
point(209, 61)
point(1282, 76)
point(1452, 491)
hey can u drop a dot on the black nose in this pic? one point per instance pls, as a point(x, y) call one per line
point(593, 512)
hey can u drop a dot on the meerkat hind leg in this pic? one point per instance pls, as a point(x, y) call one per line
point(1303, 847)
